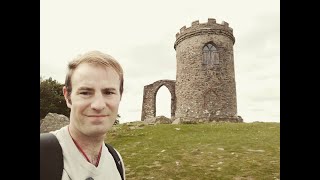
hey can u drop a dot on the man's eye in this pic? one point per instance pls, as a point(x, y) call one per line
point(84, 93)
point(110, 92)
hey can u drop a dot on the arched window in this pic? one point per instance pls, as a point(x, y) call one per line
point(210, 55)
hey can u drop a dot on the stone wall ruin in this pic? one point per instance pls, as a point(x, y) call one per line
point(149, 98)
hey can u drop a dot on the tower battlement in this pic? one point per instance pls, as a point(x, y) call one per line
point(197, 28)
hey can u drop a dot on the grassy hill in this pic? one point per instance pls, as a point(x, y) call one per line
point(234, 151)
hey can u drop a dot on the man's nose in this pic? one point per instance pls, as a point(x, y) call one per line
point(98, 103)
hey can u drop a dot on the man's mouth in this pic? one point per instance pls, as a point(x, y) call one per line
point(97, 115)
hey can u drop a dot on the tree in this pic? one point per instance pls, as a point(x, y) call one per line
point(51, 98)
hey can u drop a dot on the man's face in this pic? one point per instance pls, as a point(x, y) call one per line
point(95, 99)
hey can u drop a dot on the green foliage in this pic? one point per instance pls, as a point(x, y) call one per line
point(199, 151)
point(51, 98)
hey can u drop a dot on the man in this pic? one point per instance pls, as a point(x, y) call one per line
point(93, 90)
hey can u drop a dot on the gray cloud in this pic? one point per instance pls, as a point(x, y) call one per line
point(261, 36)
point(150, 60)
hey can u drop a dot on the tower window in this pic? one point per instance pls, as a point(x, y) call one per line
point(210, 55)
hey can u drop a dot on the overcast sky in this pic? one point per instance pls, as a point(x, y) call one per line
point(140, 34)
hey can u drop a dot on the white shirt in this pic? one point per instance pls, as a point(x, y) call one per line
point(76, 167)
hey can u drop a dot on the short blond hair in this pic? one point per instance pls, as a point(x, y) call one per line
point(97, 58)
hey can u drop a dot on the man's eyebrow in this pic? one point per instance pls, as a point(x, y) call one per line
point(85, 88)
point(109, 89)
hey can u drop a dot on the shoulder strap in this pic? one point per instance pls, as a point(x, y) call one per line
point(51, 158)
point(116, 159)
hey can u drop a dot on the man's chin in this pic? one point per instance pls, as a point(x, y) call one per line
point(98, 132)
point(102, 128)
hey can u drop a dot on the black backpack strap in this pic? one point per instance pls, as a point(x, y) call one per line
point(116, 159)
point(51, 158)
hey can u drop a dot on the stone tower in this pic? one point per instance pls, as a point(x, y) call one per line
point(205, 85)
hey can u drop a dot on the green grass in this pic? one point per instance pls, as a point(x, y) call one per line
point(199, 151)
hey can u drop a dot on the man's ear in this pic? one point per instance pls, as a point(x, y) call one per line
point(66, 96)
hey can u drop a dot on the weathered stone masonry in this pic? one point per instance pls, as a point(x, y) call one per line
point(205, 87)
point(149, 98)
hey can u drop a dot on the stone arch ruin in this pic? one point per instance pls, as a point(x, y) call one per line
point(149, 98)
